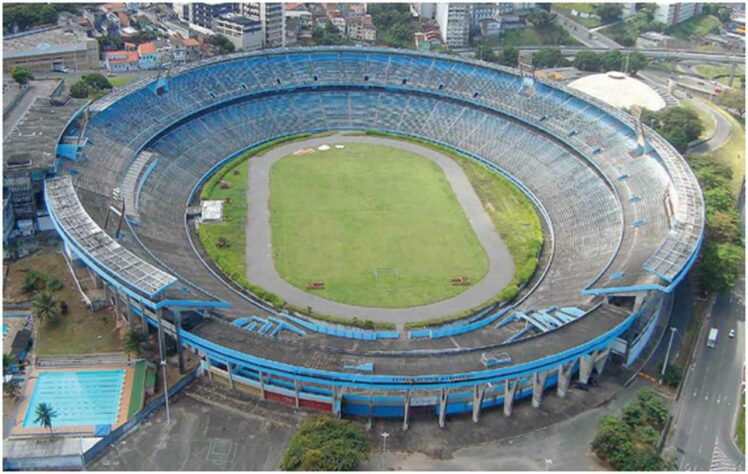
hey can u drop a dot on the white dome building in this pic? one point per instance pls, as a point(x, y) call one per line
point(619, 90)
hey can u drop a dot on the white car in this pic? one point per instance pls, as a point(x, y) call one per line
point(732, 333)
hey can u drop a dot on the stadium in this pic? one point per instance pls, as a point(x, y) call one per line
point(622, 217)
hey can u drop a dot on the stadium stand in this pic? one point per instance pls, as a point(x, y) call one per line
point(621, 224)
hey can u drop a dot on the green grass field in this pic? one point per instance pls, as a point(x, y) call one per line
point(706, 120)
point(733, 152)
point(378, 225)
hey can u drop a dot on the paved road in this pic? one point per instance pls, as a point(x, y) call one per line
point(708, 408)
point(563, 446)
point(261, 269)
point(582, 34)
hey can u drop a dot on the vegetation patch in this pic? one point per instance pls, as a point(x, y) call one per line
point(513, 216)
point(709, 125)
point(225, 242)
point(324, 443)
point(628, 442)
point(373, 225)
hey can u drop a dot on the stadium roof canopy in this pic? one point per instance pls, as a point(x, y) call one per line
point(619, 90)
point(33, 141)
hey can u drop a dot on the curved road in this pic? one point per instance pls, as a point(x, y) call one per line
point(261, 269)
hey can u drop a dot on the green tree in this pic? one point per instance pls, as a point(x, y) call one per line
point(44, 415)
point(636, 62)
point(394, 23)
point(32, 282)
point(548, 57)
point(21, 75)
point(134, 342)
point(612, 441)
point(673, 375)
point(723, 227)
point(324, 443)
point(587, 61)
point(609, 12)
point(540, 18)
point(720, 266)
point(222, 43)
point(7, 363)
point(719, 199)
point(654, 408)
point(486, 53)
point(96, 80)
point(611, 60)
point(632, 414)
point(45, 308)
point(509, 56)
point(79, 90)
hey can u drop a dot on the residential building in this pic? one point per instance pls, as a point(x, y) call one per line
point(454, 23)
point(121, 61)
point(148, 56)
point(672, 13)
point(202, 14)
point(273, 19)
point(51, 49)
point(361, 28)
point(244, 33)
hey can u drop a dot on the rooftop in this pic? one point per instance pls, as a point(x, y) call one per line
point(33, 141)
point(619, 90)
point(55, 40)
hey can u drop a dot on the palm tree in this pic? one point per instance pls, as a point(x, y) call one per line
point(134, 342)
point(44, 414)
point(46, 307)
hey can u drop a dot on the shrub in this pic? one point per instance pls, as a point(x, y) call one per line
point(324, 443)
point(508, 293)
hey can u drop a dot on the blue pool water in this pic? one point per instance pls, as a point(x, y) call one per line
point(79, 398)
point(5, 329)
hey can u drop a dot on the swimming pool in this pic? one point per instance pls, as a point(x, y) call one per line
point(79, 398)
point(5, 329)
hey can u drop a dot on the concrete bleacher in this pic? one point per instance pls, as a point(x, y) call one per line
point(589, 208)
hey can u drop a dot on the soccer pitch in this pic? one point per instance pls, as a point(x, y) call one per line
point(379, 226)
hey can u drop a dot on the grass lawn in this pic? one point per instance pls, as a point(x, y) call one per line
point(378, 225)
point(707, 120)
point(733, 152)
point(120, 81)
point(580, 7)
point(700, 26)
point(529, 36)
point(78, 332)
point(138, 387)
point(710, 72)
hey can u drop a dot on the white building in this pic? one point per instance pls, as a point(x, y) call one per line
point(673, 13)
point(245, 34)
point(454, 23)
point(426, 11)
point(272, 17)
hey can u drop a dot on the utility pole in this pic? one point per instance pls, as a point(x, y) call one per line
point(673, 329)
point(162, 353)
point(384, 436)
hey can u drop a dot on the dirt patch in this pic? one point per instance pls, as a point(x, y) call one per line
point(81, 331)
point(303, 151)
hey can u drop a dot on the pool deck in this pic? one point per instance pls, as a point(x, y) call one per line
point(122, 415)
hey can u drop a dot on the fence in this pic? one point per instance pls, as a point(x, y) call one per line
point(125, 429)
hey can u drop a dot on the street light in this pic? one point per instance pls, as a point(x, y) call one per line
point(384, 436)
point(673, 330)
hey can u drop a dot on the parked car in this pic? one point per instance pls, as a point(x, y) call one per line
point(732, 333)
point(582, 386)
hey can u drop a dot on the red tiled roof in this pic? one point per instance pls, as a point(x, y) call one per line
point(146, 48)
point(190, 42)
point(122, 57)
